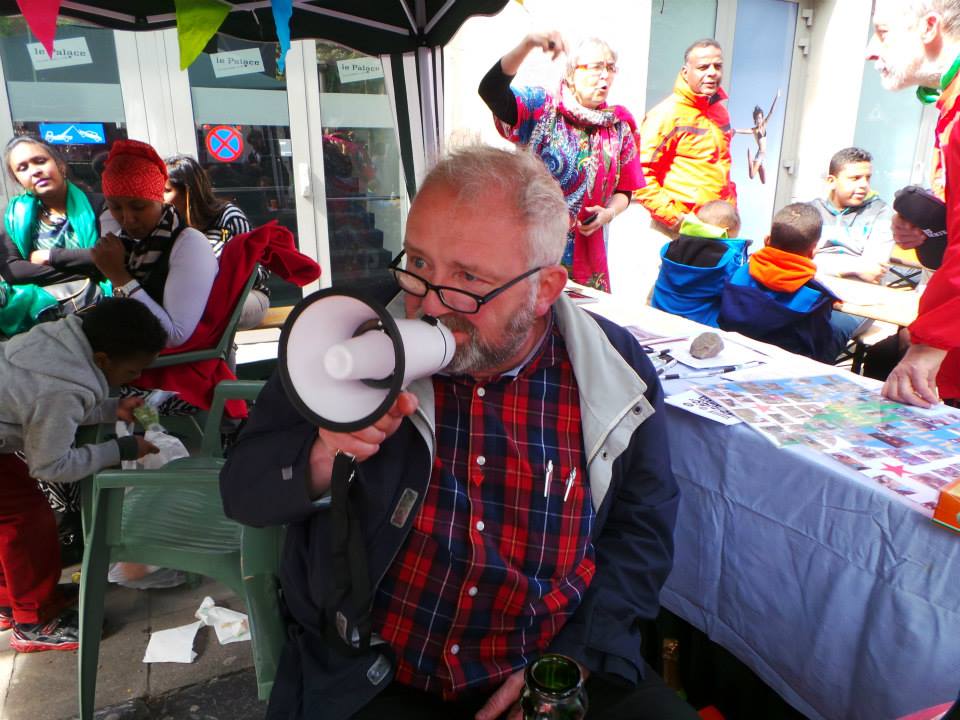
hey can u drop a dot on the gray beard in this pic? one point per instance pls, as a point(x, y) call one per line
point(477, 357)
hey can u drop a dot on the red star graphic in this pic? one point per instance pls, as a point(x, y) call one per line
point(898, 470)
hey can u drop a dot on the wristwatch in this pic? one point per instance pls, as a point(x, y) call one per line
point(127, 289)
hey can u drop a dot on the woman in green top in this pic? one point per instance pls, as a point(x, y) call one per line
point(45, 260)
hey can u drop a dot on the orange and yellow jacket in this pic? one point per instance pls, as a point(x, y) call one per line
point(685, 151)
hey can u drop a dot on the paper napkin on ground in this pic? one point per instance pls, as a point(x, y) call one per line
point(231, 626)
point(173, 645)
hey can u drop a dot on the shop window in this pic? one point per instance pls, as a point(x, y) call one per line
point(361, 164)
point(243, 135)
point(72, 100)
point(674, 25)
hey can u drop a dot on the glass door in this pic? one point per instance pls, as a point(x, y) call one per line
point(365, 203)
point(240, 113)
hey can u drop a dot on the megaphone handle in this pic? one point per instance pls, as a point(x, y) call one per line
point(350, 573)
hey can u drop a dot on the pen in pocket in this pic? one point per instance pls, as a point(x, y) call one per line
point(570, 479)
point(547, 477)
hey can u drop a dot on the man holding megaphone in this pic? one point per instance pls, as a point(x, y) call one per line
point(514, 499)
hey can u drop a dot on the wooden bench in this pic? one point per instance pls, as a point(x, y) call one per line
point(275, 317)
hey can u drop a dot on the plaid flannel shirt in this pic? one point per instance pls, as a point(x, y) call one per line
point(498, 558)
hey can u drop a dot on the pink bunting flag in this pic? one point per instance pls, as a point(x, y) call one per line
point(41, 17)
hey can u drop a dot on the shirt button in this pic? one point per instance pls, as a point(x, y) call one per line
point(454, 649)
point(481, 392)
point(479, 526)
point(481, 460)
point(472, 592)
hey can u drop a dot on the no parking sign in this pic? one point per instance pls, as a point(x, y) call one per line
point(224, 143)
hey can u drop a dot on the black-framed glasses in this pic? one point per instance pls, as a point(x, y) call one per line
point(456, 299)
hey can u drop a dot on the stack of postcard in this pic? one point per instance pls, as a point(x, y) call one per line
point(911, 451)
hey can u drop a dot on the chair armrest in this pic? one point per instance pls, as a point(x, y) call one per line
point(225, 390)
point(184, 358)
point(185, 471)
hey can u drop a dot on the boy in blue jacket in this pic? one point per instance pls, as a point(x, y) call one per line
point(695, 266)
point(774, 298)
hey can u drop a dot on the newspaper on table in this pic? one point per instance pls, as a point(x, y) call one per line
point(911, 451)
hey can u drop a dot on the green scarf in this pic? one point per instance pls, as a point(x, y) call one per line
point(25, 302)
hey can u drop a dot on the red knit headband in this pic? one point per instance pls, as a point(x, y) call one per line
point(133, 169)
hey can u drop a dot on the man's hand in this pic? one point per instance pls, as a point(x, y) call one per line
point(905, 233)
point(362, 444)
point(604, 215)
point(40, 257)
point(914, 380)
point(872, 274)
point(126, 407)
point(506, 697)
point(145, 448)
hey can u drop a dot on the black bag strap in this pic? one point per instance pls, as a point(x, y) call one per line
point(351, 577)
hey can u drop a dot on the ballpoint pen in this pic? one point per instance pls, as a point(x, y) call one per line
point(711, 371)
point(570, 479)
point(547, 477)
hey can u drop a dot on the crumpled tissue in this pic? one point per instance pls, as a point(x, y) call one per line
point(231, 626)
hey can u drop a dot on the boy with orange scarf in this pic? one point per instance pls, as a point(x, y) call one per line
point(774, 298)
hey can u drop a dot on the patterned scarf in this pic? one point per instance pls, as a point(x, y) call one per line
point(148, 259)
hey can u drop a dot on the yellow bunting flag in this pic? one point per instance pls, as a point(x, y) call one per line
point(197, 22)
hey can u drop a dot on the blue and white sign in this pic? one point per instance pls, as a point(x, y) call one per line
point(73, 133)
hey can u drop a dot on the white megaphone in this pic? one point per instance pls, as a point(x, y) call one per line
point(343, 359)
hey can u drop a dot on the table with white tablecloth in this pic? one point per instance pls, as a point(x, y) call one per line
point(836, 592)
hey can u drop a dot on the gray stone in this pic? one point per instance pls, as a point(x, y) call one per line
point(706, 345)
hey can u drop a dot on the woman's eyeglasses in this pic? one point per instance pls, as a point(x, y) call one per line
point(598, 67)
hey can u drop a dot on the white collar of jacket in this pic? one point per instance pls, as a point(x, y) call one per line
point(612, 399)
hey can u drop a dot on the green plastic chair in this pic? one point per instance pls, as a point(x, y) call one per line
point(173, 517)
point(186, 427)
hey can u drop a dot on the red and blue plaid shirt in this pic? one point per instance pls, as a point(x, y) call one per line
point(497, 559)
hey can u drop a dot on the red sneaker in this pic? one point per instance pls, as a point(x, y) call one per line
point(60, 633)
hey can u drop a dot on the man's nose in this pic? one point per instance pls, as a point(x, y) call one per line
point(871, 51)
point(430, 304)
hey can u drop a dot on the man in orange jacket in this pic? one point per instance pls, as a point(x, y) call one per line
point(685, 142)
point(919, 44)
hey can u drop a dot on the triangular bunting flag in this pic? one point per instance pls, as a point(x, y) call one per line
point(282, 12)
point(41, 17)
point(197, 22)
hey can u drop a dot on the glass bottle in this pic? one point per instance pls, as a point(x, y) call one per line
point(553, 690)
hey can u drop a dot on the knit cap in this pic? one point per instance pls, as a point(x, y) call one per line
point(134, 169)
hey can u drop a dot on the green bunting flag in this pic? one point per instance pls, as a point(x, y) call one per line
point(197, 22)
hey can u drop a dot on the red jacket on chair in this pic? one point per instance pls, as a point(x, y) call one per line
point(273, 247)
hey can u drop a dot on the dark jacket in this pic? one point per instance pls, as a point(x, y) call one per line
point(635, 495)
point(798, 322)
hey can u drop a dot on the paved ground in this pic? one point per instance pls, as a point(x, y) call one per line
point(219, 684)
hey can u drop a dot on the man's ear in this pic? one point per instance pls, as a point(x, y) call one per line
point(553, 279)
point(101, 360)
point(931, 27)
point(766, 241)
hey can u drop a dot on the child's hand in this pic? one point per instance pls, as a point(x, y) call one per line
point(145, 448)
point(126, 407)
